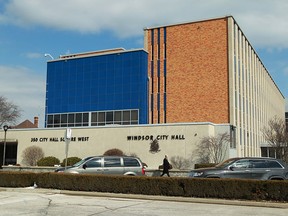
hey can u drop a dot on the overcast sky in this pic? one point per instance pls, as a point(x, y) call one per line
point(30, 28)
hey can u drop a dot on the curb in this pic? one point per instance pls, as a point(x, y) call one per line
point(266, 204)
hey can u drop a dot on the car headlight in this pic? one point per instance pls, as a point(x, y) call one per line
point(196, 174)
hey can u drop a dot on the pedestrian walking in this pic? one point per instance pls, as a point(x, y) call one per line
point(166, 166)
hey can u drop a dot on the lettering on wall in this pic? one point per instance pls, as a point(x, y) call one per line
point(157, 137)
point(58, 139)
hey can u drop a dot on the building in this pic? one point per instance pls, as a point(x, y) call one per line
point(207, 71)
point(191, 80)
point(28, 124)
point(97, 88)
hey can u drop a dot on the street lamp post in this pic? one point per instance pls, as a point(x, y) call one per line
point(5, 127)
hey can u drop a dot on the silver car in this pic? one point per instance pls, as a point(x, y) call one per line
point(117, 165)
point(261, 168)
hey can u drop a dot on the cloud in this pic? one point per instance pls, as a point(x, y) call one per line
point(264, 21)
point(27, 90)
point(32, 55)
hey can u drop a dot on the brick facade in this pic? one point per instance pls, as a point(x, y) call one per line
point(195, 77)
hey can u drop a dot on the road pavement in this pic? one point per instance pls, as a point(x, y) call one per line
point(36, 202)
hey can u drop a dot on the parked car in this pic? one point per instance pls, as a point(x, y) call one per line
point(261, 168)
point(119, 165)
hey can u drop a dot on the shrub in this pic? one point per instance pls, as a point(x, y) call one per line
point(48, 161)
point(70, 161)
point(31, 155)
point(114, 152)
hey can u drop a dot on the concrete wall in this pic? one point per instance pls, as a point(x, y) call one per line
point(173, 139)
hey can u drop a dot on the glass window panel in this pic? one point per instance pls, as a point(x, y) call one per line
point(93, 163)
point(134, 115)
point(71, 118)
point(117, 116)
point(56, 120)
point(101, 117)
point(109, 117)
point(273, 164)
point(131, 162)
point(242, 164)
point(259, 164)
point(94, 117)
point(78, 118)
point(112, 162)
point(126, 116)
point(64, 118)
point(50, 119)
point(85, 118)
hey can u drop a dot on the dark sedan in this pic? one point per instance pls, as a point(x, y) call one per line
point(247, 168)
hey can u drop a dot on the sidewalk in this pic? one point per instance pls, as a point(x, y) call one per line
point(151, 197)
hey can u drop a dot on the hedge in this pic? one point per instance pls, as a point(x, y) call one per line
point(174, 186)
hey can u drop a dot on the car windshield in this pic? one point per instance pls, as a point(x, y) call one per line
point(81, 162)
point(226, 162)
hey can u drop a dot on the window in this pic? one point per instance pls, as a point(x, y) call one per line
point(79, 119)
point(109, 117)
point(57, 120)
point(64, 120)
point(126, 116)
point(94, 119)
point(121, 117)
point(112, 162)
point(117, 117)
point(131, 162)
point(274, 164)
point(259, 164)
point(101, 118)
point(96, 162)
point(85, 119)
point(50, 120)
point(241, 164)
point(71, 120)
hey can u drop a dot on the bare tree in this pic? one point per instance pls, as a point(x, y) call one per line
point(9, 112)
point(179, 162)
point(213, 149)
point(31, 155)
point(276, 135)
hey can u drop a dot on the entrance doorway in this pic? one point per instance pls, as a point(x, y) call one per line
point(10, 153)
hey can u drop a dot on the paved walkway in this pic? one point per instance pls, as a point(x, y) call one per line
point(152, 197)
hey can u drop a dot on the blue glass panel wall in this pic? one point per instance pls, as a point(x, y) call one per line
point(98, 83)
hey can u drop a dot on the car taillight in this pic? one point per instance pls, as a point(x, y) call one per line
point(143, 171)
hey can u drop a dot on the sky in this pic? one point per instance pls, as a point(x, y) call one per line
point(31, 28)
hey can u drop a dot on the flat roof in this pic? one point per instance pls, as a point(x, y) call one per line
point(188, 22)
point(95, 53)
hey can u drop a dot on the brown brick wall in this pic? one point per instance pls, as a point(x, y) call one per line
point(197, 72)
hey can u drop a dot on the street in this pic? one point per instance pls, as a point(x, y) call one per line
point(36, 203)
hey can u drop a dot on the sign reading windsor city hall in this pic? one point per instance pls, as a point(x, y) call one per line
point(158, 137)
